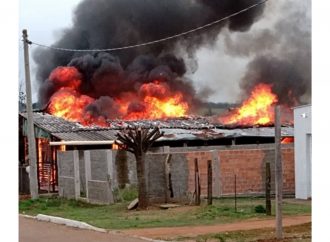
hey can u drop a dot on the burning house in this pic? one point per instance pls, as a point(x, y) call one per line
point(88, 96)
point(55, 134)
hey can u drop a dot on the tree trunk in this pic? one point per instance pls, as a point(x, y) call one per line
point(140, 169)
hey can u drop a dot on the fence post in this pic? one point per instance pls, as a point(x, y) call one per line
point(88, 171)
point(76, 174)
point(167, 180)
point(197, 184)
point(209, 182)
point(110, 175)
point(268, 189)
point(235, 198)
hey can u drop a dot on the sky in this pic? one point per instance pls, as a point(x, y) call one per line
point(42, 19)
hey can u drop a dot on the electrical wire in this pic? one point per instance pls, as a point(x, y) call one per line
point(154, 41)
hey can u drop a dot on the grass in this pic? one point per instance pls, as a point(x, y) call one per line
point(300, 233)
point(117, 216)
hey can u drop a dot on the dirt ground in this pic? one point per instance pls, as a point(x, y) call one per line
point(192, 231)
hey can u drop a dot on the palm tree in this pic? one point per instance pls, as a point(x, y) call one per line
point(138, 140)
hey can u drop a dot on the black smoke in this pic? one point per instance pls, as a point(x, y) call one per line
point(99, 24)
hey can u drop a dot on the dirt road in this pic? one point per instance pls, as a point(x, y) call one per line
point(31, 230)
point(168, 233)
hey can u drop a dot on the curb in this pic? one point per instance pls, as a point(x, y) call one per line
point(68, 222)
point(80, 225)
point(65, 221)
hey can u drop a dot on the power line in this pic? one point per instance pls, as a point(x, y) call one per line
point(154, 41)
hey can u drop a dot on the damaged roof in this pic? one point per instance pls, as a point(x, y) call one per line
point(188, 128)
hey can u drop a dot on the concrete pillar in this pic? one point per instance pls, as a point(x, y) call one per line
point(76, 173)
point(216, 173)
point(110, 174)
point(88, 172)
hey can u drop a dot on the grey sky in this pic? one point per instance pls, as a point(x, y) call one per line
point(44, 20)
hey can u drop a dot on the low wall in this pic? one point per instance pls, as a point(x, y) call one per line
point(116, 168)
point(86, 175)
point(249, 167)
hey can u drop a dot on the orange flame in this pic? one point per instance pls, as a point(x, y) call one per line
point(257, 109)
point(154, 100)
point(69, 104)
point(67, 76)
point(287, 140)
point(162, 106)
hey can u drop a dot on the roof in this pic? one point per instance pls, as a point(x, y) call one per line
point(188, 128)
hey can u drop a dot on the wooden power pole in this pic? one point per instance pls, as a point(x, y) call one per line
point(278, 174)
point(30, 127)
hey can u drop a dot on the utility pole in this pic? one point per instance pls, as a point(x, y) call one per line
point(278, 174)
point(30, 127)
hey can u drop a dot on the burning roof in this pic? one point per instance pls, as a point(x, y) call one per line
point(153, 82)
point(185, 128)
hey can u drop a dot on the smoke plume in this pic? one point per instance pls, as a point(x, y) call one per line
point(99, 24)
point(280, 53)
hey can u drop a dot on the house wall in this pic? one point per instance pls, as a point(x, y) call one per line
point(303, 148)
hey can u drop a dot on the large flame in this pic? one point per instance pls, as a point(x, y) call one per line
point(69, 104)
point(159, 103)
point(153, 100)
point(256, 110)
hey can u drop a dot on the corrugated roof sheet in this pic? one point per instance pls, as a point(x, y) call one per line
point(87, 135)
point(191, 128)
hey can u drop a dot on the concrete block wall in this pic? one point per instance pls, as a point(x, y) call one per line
point(66, 181)
point(86, 174)
point(247, 162)
point(179, 176)
point(155, 173)
point(100, 176)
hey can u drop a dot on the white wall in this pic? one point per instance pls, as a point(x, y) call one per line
point(303, 151)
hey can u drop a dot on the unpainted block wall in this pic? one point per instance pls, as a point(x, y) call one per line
point(101, 176)
point(155, 173)
point(249, 167)
point(247, 162)
point(66, 174)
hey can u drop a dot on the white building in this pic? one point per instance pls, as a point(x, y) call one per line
point(303, 151)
